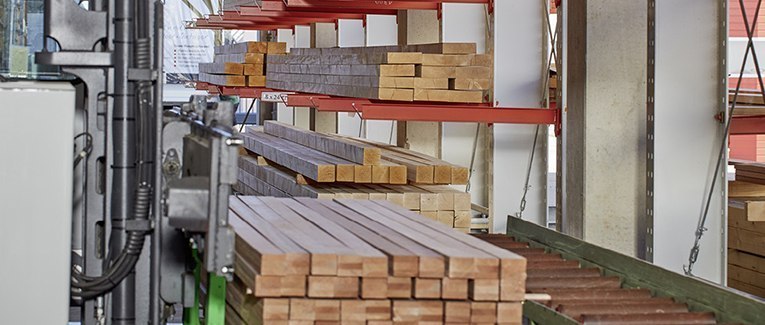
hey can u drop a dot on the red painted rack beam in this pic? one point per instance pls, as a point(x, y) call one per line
point(455, 113)
point(402, 111)
point(747, 125)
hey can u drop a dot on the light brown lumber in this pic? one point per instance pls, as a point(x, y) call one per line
point(473, 72)
point(253, 47)
point(446, 218)
point(746, 275)
point(253, 70)
point(463, 219)
point(448, 60)
point(354, 152)
point(509, 313)
point(290, 156)
point(223, 80)
point(435, 72)
point(430, 83)
point(746, 241)
point(365, 310)
point(268, 259)
point(444, 48)
point(373, 262)
point(401, 262)
point(374, 288)
point(484, 289)
point(348, 260)
point(745, 190)
point(222, 68)
point(449, 96)
point(454, 289)
point(427, 288)
point(362, 174)
point(512, 268)
point(274, 286)
point(470, 84)
point(745, 287)
point(296, 259)
point(462, 261)
point(459, 174)
point(418, 311)
point(746, 260)
point(741, 215)
point(254, 310)
point(392, 195)
point(483, 312)
point(428, 200)
point(482, 60)
point(253, 58)
point(323, 259)
point(333, 286)
point(381, 174)
point(371, 190)
point(256, 81)
point(457, 312)
point(431, 263)
point(400, 287)
point(314, 309)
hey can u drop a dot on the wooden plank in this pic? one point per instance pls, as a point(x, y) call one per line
point(435, 72)
point(431, 263)
point(463, 219)
point(447, 60)
point(400, 287)
point(223, 68)
point(462, 261)
point(454, 289)
point(473, 73)
point(509, 312)
point(427, 288)
point(296, 259)
point(374, 288)
point(449, 96)
point(402, 262)
point(324, 251)
point(373, 262)
point(333, 286)
point(252, 58)
point(354, 152)
point(313, 164)
point(430, 83)
point(444, 48)
point(747, 215)
point(483, 312)
point(470, 84)
point(747, 241)
point(512, 266)
point(746, 276)
point(484, 289)
point(273, 286)
point(446, 218)
point(253, 310)
point(745, 287)
point(418, 311)
point(746, 260)
point(253, 70)
point(314, 309)
point(256, 81)
point(223, 80)
point(457, 312)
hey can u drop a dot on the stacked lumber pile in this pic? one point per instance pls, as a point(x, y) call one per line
point(443, 72)
point(750, 172)
point(746, 237)
point(285, 161)
point(364, 262)
point(240, 64)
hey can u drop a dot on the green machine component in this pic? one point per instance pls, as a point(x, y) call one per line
point(215, 306)
point(700, 295)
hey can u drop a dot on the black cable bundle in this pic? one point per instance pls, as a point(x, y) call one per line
point(86, 287)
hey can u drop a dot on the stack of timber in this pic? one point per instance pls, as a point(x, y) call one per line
point(364, 262)
point(285, 161)
point(749, 102)
point(443, 72)
point(240, 64)
point(746, 237)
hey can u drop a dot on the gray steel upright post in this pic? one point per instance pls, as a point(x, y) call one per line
point(124, 153)
point(155, 302)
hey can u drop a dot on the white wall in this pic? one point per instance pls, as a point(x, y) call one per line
point(350, 33)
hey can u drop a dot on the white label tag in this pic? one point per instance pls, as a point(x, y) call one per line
point(274, 97)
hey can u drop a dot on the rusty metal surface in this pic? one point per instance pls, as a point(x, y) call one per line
point(588, 296)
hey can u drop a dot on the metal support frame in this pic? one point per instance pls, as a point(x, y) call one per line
point(685, 92)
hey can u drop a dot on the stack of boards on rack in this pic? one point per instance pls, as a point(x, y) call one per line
point(746, 228)
point(240, 64)
point(442, 72)
point(309, 261)
point(285, 161)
